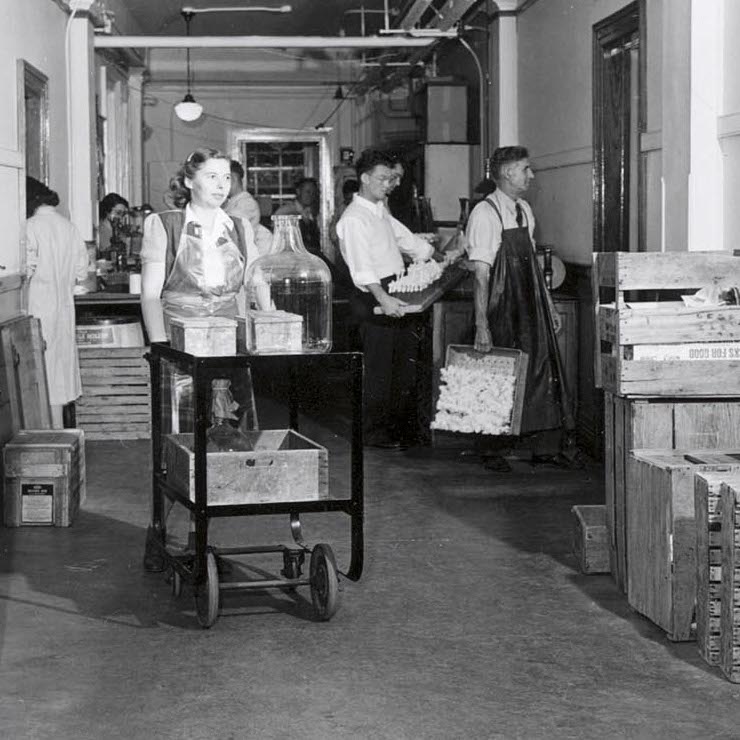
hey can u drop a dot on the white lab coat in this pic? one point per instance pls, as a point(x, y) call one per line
point(56, 257)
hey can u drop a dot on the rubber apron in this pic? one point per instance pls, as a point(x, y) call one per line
point(519, 317)
point(203, 281)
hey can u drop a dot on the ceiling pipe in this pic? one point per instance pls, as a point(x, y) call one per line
point(260, 42)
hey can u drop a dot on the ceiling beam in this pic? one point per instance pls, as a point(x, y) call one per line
point(452, 12)
point(261, 42)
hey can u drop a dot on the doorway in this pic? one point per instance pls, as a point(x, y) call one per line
point(618, 120)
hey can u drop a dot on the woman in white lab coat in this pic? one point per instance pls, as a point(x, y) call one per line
point(56, 257)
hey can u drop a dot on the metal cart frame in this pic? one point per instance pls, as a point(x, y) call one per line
point(199, 567)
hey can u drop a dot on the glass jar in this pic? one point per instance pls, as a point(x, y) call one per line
point(290, 279)
point(222, 435)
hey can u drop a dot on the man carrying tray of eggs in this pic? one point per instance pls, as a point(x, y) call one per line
point(373, 245)
point(513, 308)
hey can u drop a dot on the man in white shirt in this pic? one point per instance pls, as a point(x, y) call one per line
point(513, 307)
point(373, 245)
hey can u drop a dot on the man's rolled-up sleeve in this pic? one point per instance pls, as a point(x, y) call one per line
point(410, 244)
point(483, 237)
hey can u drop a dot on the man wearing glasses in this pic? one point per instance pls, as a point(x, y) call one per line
point(374, 244)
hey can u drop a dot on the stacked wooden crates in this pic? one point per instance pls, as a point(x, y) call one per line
point(115, 402)
point(671, 376)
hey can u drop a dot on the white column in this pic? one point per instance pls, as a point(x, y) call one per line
point(504, 78)
point(81, 121)
point(706, 191)
point(136, 122)
point(676, 104)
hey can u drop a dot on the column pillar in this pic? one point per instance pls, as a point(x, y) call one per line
point(706, 176)
point(81, 120)
point(504, 55)
point(136, 122)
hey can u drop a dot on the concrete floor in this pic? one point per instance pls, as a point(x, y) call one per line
point(471, 621)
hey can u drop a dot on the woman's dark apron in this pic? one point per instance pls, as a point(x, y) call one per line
point(519, 317)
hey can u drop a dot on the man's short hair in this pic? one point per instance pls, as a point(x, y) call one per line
point(372, 158)
point(506, 155)
point(237, 169)
point(305, 181)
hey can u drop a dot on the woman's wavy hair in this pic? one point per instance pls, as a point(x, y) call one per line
point(179, 195)
point(37, 194)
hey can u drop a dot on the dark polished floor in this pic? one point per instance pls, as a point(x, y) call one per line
point(470, 621)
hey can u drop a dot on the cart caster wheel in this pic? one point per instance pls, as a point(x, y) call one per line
point(176, 583)
point(206, 595)
point(324, 582)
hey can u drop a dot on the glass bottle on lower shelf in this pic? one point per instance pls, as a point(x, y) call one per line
point(222, 435)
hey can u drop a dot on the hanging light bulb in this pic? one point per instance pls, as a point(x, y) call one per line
point(187, 109)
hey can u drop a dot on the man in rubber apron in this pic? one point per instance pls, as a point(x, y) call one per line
point(513, 307)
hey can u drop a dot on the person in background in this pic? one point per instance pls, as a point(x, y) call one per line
point(513, 307)
point(56, 258)
point(241, 203)
point(111, 212)
point(400, 194)
point(194, 258)
point(373, 245)
point(306, 205)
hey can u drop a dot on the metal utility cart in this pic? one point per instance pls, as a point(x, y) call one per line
point(198, 565)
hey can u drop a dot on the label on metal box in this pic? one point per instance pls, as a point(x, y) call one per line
point(37, 503)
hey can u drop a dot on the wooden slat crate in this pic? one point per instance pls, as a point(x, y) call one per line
point(729, 646)
point(656, 423)
point(661, 548)
point(707, 489)
point(115, 402)
point(589, 539)
point(283, 466)
point(44, 477)
point(640, 345)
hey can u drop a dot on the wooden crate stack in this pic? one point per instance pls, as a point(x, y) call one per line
point(671, 374)
point(115, 402)
point(729, 642)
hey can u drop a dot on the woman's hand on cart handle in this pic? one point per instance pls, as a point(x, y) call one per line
point(483, 342)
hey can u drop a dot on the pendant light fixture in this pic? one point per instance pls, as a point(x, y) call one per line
point(187, 109)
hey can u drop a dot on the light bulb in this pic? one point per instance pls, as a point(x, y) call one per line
point(188, 110)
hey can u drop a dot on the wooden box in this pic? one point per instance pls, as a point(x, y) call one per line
point(456, 413)
point(661, 548)
point(589, 539)
point(115, 401)
point(269, 332)
point(44, 473)
point(665, 348)
point(707, 489)
point(208, 336)
point(284, 466)
point(729, 646)
point(655, 423)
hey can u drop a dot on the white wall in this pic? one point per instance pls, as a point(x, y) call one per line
point(555, 118)
point(729, 124)
point(32, 30)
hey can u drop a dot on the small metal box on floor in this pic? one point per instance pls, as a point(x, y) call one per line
point(44, 477)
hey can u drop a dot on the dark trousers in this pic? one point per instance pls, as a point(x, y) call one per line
point(391, 349)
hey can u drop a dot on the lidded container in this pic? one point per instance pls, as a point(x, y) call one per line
point(292, 280)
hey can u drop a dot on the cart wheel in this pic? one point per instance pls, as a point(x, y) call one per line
point(206, 596)
point(176, 583)
point(324, 582)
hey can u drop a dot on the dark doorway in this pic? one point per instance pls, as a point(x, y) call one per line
point(618, 120)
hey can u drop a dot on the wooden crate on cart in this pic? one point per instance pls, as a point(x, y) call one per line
point(655, 423)
point(115, 402)
point(661, 548)
point(655, 348)
point(282, 466)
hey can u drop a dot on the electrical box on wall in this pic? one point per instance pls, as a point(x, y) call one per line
point(445, 113)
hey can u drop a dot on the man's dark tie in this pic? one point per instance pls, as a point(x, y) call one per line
point(519, 216)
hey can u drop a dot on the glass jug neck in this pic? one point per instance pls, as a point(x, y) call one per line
point(288, 234)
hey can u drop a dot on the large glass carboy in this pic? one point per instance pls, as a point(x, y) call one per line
point(292, 280)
